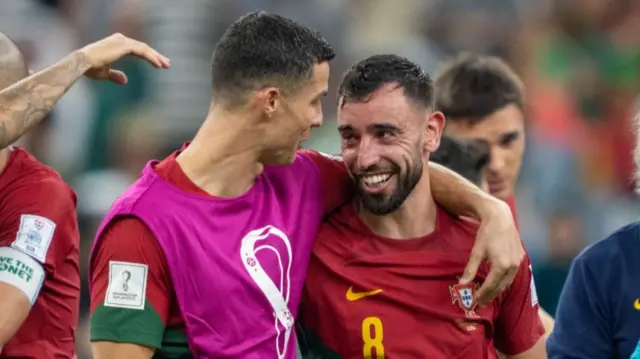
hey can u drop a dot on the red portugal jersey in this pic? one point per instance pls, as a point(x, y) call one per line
point(38, 222)
point(372, 297)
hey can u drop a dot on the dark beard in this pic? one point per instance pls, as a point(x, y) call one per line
point(381, 204)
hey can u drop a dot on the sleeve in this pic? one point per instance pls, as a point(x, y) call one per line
point(518, 326)
point(39, 221)
point(337, 185)
point(583, 328)
point(131, 288)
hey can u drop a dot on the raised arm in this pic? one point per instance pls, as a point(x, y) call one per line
point(498, 240)
point(27, 102)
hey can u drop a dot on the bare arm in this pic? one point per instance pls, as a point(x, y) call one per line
point(16, 307)
point(110, 350)
point(497, 241)
point(547, 321)
point(457, 195)
point(538, 351)
point(20, 279)
point(27, 102)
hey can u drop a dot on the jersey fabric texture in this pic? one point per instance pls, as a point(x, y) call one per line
point(367, 296)
point(159, 323)
point(38, 217)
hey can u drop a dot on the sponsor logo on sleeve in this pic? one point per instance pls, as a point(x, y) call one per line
point(127, 285)
point(34, 236)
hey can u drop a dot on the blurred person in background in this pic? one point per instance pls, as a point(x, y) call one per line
point(599, 307)
point(466, 158)
point(394, 252)
point(39, 240)
point(483, 99)
point(238, 185)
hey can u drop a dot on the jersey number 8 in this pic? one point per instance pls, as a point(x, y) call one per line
point(372, 335)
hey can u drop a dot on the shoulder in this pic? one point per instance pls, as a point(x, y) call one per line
point(31, 177)
point(125, 234)
point(324, 162)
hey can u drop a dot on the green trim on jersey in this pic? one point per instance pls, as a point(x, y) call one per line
point(142, 327)
point(121, 325)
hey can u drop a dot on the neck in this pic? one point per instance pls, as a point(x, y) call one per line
point(223, 157)
point(414, 219)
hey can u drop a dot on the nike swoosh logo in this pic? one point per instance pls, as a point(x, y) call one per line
point(636, 304)
point(353, 296)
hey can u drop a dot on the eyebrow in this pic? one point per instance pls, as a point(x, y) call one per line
point(383, 127)
point(321, 95)
point(343, 128)
point(510, 135)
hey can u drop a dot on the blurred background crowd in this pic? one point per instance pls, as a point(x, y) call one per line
point(579, 59)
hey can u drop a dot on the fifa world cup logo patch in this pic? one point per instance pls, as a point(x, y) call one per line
point(463, 295)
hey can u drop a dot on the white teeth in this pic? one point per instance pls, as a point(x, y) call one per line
point(376, 179)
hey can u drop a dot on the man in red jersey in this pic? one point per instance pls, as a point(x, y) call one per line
point(247, 120)
point(483, 99)
point(39, 239)
point(383, 277)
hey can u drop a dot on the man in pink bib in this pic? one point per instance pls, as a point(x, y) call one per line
point(206, 254)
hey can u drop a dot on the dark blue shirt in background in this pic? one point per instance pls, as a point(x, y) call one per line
point(598, 314)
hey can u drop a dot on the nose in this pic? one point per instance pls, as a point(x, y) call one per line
point(367, 154)
point(498, 160)
point(317, 120)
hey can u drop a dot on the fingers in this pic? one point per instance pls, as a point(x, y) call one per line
point(118, 77)
point(471, 269)
point(144, 51)
point(490, 289)
point(499, 278)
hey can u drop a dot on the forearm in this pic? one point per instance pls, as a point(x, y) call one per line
point(111, 350)
point(27, 102)
point(459, 196)
point(547, 321)
point(16, 307)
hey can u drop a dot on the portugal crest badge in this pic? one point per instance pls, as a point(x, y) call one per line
point(463, 295)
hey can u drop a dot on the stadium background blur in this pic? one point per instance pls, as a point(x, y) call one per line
point(579, 59)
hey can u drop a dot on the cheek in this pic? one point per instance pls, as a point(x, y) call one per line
point(349, 156)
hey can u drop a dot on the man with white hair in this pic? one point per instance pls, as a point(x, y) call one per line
point(598, 312)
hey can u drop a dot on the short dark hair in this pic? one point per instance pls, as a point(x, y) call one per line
point(370, 74)
point(471, 87)
point(467, 158)
point(262, 49)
